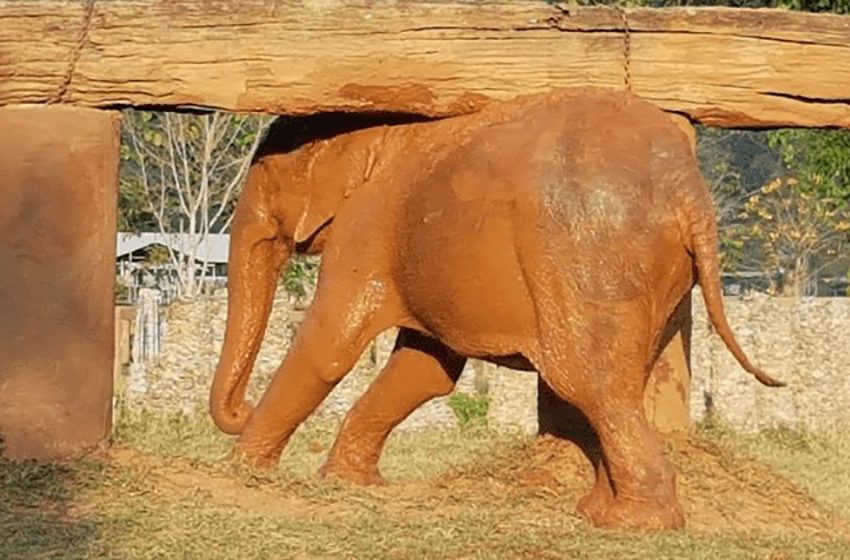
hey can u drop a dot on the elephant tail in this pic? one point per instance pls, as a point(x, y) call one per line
point(704, 242)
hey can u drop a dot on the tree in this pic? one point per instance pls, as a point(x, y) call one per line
point(735, 164)
point(817, 163)
point(794, 231)
point(820, 159)
point(181, 172)
point(782, 201)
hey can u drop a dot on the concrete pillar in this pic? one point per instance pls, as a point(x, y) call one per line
point(667, 397)
point(58, 187)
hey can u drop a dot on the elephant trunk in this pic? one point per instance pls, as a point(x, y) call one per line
point(257, 254)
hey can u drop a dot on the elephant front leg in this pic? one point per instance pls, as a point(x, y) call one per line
point(325, 349)
point(419, 369)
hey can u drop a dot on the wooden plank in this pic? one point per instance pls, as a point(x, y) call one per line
point(722, 67)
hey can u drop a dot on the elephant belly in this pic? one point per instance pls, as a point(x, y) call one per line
point(461, 281)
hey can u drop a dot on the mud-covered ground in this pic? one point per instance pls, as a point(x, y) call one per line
point(161, 491)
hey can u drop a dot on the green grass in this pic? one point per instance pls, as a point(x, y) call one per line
point(171, 498)
point(407, 455)
point(469, 409)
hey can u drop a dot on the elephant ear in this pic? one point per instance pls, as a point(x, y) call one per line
point(329, 184)
point(321, 206)
point(337, 169)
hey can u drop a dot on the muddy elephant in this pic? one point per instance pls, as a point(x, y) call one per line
point(554, 232)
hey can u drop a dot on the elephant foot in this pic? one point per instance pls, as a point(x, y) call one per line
point(359, 476)
point(593, 504)
point(632, 514)
point(255, 461)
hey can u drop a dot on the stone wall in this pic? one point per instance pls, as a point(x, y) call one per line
point(803, 342)
point(179, 378)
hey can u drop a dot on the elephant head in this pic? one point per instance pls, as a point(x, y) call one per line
point(299, 177)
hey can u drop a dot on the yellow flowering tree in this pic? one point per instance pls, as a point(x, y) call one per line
point(793, 231)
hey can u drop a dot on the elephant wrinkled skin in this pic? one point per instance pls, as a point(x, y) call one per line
point(553, 232)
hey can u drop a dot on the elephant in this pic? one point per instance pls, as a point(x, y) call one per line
point(553, 232)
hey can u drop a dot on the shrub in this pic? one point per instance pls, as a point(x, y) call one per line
point(469, 409)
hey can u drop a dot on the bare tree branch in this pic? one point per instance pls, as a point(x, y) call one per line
point(190, 168)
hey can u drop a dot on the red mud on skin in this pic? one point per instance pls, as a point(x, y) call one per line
point(559, 232)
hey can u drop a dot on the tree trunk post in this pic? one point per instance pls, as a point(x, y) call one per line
point(58, 183)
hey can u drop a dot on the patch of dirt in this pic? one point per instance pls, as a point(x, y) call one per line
point(220, 486)
point(720, 491)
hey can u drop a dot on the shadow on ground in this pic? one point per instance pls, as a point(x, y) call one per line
point(35, 500)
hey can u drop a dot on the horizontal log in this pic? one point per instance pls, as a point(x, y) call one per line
point(722, 67)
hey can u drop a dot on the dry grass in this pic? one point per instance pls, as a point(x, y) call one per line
point(819, 463)
point(161, 492)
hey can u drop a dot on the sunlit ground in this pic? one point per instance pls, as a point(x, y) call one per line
point(162, 491)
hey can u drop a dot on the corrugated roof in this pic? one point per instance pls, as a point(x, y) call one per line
point(211, 248)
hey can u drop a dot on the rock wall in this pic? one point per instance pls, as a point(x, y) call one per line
point(803, 342)
point(179, 378)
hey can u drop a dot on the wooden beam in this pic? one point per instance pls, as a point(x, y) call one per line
point(721, 67)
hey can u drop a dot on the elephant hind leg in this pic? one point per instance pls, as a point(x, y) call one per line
point(419, 369)
point(642, 479)
point(603, 371)
point(565, 421)
point(594, 354)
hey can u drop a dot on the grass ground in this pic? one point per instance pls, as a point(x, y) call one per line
point(161, 492)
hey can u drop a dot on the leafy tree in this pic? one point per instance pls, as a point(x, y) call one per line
point(794, 231)
point(735, 163)
point(804, 214)
point(820, 160)
point(181, 172)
